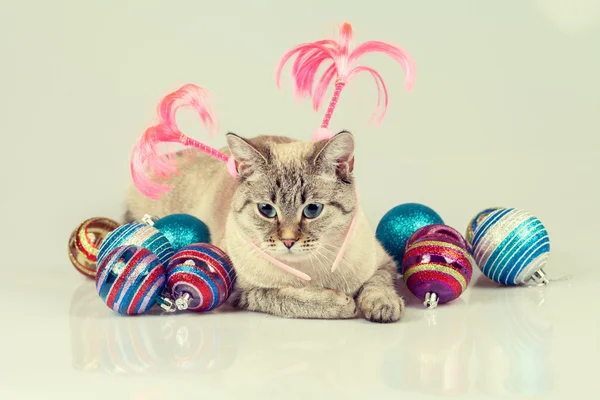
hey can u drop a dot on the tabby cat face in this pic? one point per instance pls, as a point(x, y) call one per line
point(294, 198)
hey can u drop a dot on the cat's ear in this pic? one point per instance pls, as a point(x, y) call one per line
point(248, 158)
point(337, 155)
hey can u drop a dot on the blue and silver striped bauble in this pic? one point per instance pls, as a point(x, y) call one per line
point(141, 235)
point(510, 246)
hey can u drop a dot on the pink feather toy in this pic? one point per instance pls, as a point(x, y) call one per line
point(342, 66)
point(151, 169)
point(146, 159)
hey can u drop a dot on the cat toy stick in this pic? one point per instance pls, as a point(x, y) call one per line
point(310, 57)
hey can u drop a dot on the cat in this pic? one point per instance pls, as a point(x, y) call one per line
point(295, 200)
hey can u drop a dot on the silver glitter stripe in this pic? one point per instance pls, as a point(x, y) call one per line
point(496, 234)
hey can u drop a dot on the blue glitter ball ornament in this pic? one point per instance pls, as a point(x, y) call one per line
point(140, 235)
point(398, 225)
point(183, 230)
point(511, 247)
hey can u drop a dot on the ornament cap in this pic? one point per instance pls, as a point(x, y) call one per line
point(431, 300)
point(166, 304)
point(539, 277)
point(183, 301)
point(149, 219)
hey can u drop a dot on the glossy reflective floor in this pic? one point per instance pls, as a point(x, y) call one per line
point(491, 342)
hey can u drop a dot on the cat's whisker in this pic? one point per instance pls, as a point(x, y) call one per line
point(312, 263)
point(343, 262)
point(329, 260)
point(322, 263)
point(334, 254)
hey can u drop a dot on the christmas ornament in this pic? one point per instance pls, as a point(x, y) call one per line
point(437, 266)
point(141, 235)
point(200, 277)
point(182, 230)
point(511, 247)
point(398, 224)
point(476, 221)
point(130, 280)
point(84, 243)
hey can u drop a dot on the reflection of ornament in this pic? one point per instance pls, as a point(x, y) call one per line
point(182, 230)
point(398, 224)
point(433, 359)
point(140, 235)
point(131, 346)
point(437, 266)
point(130, 280)
point(84, 243)
point(200, 277)
point(511, 246)
point(512, 351)
point(528, 343)
point(476, 221)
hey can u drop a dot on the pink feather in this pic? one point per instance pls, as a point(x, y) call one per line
point(148, 164)
point(341, 65)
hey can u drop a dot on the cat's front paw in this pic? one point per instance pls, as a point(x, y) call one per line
point(344, 306)
point(381, 306)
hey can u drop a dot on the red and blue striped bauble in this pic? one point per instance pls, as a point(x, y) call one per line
point(201, 273)
point(137, 234)
point(129, 279)
point(436, 261)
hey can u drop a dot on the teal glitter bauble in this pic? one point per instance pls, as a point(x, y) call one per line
point(181, 230)
point(398, 224)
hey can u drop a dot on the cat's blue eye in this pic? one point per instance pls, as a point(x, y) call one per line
point(313, 210)
point(267, 210)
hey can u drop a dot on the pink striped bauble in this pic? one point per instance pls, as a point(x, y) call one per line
point(437, 262)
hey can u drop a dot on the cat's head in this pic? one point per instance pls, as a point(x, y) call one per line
point(294, 198)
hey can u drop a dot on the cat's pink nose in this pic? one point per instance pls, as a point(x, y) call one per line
point(288, 242)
